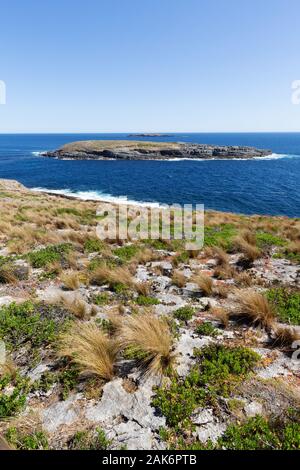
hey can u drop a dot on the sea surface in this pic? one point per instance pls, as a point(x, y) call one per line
point(262, 186)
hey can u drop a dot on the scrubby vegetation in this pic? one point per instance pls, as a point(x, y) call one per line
point(286, 303)
point(87, 326)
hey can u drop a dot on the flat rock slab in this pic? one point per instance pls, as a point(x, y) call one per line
point(116, 402)
point(61, 413)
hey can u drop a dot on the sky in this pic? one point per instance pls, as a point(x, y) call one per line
point(149, 65)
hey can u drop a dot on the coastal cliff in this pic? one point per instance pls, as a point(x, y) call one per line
point(136, 150)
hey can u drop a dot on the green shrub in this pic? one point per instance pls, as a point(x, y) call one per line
point(68, 379)
point(265, 239)
point(93, 245)
point(125, 253)
point(67, 210)
point(45, 382)
point(50, 254)
point(36, 440)
point(144, 300)
point(178, 400)
point(184, 313)
point(206, 329)
point(291, 437)
point(259, 434)
point(219, 365)
point(287, 304)
point(89, 440)
point(24, 323)
point(101, 299)
point(221, 235)
point(13, 402)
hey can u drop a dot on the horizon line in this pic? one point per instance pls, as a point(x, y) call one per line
point(148, 132)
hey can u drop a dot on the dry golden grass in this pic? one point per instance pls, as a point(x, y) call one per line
point(254, 307)
point(204, 282)
point(71, 280)
point(7, 275)
point(74, 303)
point(93, 351)
point(142, 288)
point(222, 290)
point(112, 276)
point(248, 236)
point(284, 336)
point(244, 279)
point(149, 336)
point(250, 252)
point(225, 271)
point(8, 368)
point(294, 247)
point(145, 256)
point(178, 279)
point(218, 254)
point(78, 307)
point(221, 314)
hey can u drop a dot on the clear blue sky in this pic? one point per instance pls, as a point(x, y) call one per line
point(149, 65)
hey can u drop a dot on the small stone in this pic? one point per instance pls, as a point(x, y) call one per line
point(21, 269)
point(252, 409)
point(202, 416)
point(6, 300)
point(210, 431)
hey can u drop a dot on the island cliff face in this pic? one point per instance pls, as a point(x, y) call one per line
point(136, 150)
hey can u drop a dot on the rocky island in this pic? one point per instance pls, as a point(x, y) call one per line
point(135, 150)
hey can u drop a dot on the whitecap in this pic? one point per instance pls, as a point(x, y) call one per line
point(98, 196)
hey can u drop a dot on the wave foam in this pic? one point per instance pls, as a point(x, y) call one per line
point(97, 196)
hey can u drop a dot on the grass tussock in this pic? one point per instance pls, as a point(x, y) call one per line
point(150, 338)
point(221, 315)
point(254, 307)
point(88, 347)
point(251, 252)
point(218, 254)
point(178, 279)
point(111, 276)
point(285, 336)
point(73, 303)
point(7, 275)
point(71, 280)
point(204, 282)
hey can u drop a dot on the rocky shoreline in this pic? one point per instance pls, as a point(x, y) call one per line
point(134, 150)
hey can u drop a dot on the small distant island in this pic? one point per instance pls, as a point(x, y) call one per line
point(136, 150)
point(149, 135)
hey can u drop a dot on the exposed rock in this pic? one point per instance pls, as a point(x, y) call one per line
point(185, 350)
point(133, 437)
point(61, 413)
point(116, 402)
point(21, 269)
point(273, 269)
point(136, 150)
point(252, 409)
point(6, 300)
point(142, 274)
point(165, 266)
point(202, 416)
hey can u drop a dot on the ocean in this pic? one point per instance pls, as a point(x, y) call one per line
point(268, 186)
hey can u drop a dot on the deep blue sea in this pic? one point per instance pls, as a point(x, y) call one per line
point(266, 186)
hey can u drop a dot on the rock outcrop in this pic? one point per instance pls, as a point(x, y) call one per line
point(134, 150)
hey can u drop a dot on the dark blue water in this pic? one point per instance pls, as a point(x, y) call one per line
point(268, 186)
